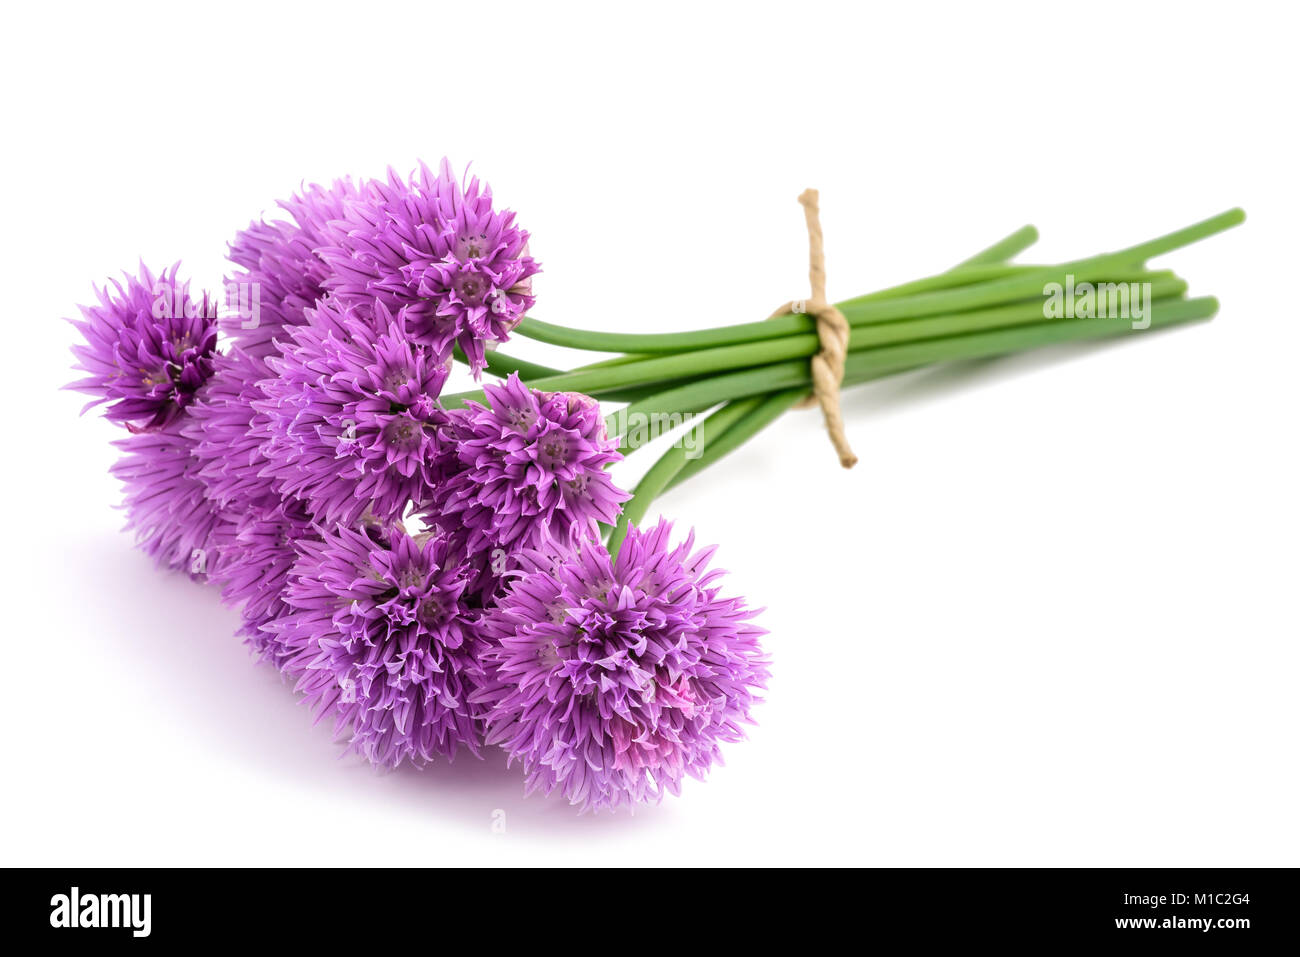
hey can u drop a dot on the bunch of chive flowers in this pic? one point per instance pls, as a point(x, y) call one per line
point(442, 572)
point(430, 575)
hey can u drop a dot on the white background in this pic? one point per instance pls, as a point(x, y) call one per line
point(1050, 619)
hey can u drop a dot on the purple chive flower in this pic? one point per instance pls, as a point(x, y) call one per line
point(376, 635)
point(220, 423)
point(439, 256)
point(257, 544)
point(166, 503)
point(350, 423)
point(148, 348)
point(258, 550)
point(611, 679)
point(529, 471)
point(282, 275)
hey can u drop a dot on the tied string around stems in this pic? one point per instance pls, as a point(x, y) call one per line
point(832, 331)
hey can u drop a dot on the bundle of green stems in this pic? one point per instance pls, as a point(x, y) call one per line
point(743, 377)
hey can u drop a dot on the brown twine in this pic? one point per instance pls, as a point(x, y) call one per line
point(832, 331)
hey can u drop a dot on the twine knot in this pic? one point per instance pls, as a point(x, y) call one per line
point(832, 332)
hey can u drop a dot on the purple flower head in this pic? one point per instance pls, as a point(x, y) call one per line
point(166, 503)
point(529, 471)
point(258, 551)
point(611, 679)
point(221, 425)
point(148, 348)
point(439, 256)
point(350, 424)
point(283, 276)
point(376, 635)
